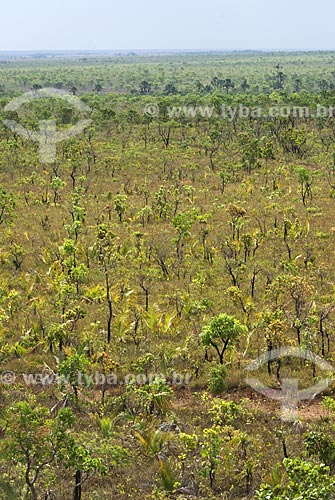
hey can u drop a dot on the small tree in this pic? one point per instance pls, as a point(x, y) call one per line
point(211, 445)
point(145, 87)
point(305, 182)
point(73, 370)
point(34, 440)
point(120, 204)
point(107, 258)
point(7, 205)
point(57, 184)
point(221, 333)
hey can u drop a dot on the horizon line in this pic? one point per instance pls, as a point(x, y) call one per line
point(270, 49)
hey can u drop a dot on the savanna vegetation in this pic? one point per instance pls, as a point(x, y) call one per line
point(149, 264)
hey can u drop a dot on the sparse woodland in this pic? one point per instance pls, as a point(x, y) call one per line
point(176, 250)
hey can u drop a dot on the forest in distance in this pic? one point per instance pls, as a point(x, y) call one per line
point(167, 298)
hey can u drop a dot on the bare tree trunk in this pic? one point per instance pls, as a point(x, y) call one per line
point(77, 486)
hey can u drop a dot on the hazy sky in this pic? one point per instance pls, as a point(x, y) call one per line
point(161, 24)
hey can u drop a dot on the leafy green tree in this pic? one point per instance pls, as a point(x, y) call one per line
point(228, 84)
point(120, 204)
point(170, 89)
point(221, 333)
point(279, 78)
point(245, 85)
point(57, 184)
point(294, 141)
point(305, 182)
point(35, 440)
point(145, 87)
point(211, 445)
point(73, 371)
point(183, 223)
point(104, 249)
point(7, 205)
point(297, 85)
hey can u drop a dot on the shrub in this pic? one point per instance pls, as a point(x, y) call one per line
point(216, 382)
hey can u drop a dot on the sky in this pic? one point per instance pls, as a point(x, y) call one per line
point(167, 24)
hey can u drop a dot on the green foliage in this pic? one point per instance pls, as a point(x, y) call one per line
point(216, 383)
point(221, 333)
point(120, 204)
point(8, 491)
point(73, 371)
point(321, 445)
point(307, 481)
point(151, 398)
point(329, 404)
point(118, 255)
point(152, 440)
point(168, 473)
point(224, 412)
point(211, 444)
point(35, 440)
point(7, 205)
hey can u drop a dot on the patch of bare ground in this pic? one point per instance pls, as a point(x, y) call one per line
point(308, 410)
